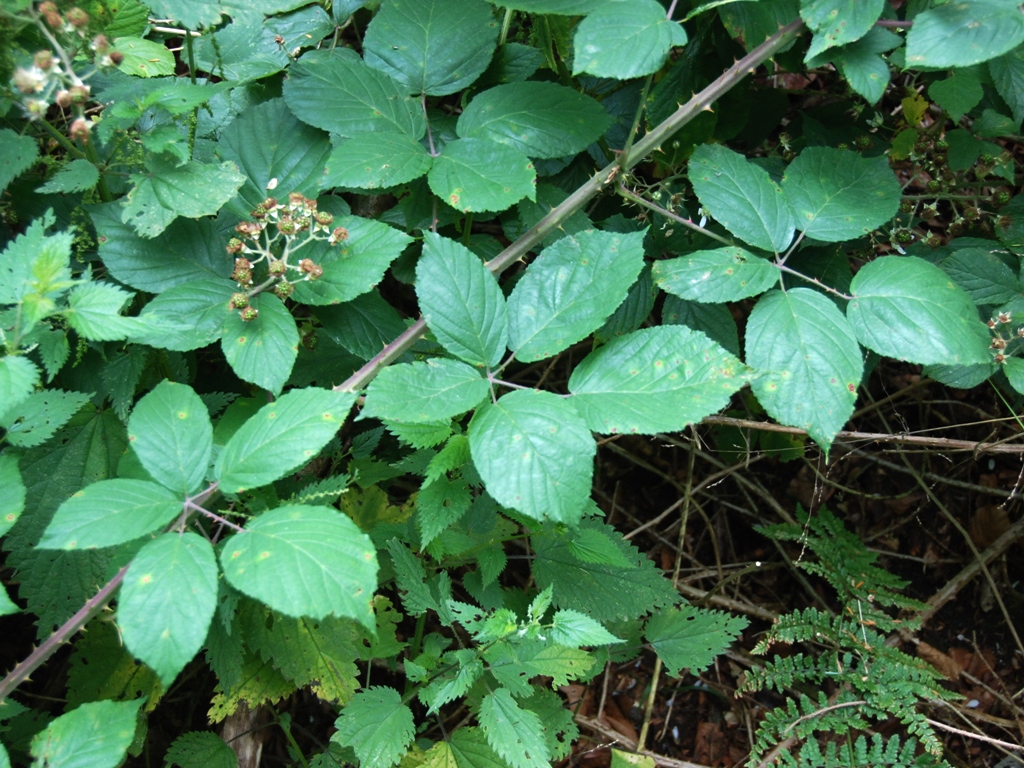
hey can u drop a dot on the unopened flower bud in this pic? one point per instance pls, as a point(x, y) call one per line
point(43, 59)
point(79, 130)
point(63, 99)
point(79, 94)
point(77, 18)
point(116, 57)
point(100, 44)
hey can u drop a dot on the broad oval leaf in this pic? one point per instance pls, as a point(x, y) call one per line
point(690, 637)
point(481, 175)
point(434, 47)
point(187, 316)
point(908, 309)
point(336, 91)
point(960, 34)
point(838, 194)
point(372, 160)
point(723, 274)
point(377, 726)
point(838, 22)
point(807, 361)
point(263, 350)
point(741, 197)
point(534, 454)
point(170, 432)
point(558, 7)
point(625, 40)
point(985, 277)
point(96, 734)
point(654, 380)
point(167, 601)
point(570, 290)
point(110, 512)
point(461, 301)
point(540, 119)
point(305, 561)
point(423, 392)
point(281, 437)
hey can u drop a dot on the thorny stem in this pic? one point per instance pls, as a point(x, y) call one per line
point(688, 223)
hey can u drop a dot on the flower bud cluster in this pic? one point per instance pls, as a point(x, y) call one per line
point(999, 341)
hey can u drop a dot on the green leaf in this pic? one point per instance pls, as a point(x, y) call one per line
point(1008, 76)
point(436, 47)
point(262, 350)
point(468, 669)
point(589, 545)
point(304, 561)
point(246, 49)
point(481, 175)
point(167, 191)
point(633, 312)
point(336, 91)
point(372, 160)
point(985, 277)
point(461, 301)
point(94, 311)
point(514, 662)
point(838, 22)
point(840, 195)
point(12, 492)
point(625, 40)
point(807, 359)
point(19, 376)
point(690, 638)
point(363, 325)
point(19, 153)
point(623, 759)
point(410, 579)
point(560, 7)
point(96, 735)
point(208, 13)
point(281, 437)
point(863, 66)
point(377, 725)
point(188, 316)
point(961, 34)
point(540, 119)
point(654, 380)
point(574, 629)
point(170, 432)
point(167, 602)
point(724, 274)
point(742, 197)
point(7, 608)
point(535, 454)
point(423, 392)
point(570, 290)
point(1013, 367)
point(200, 749)
point(143, 58)
point(35, 419)
point(514, 733)
point(77, 176)
point(110, 512)
point(906, 308)
point(440, 505)
point(958, 94)
point(268, 143)
point(468, 748)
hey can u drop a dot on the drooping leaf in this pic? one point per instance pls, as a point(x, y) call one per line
point(377, 725)
point(423, 392)
point(906, 308)
point(167, 601)
point(305, 561)
point(534, 453)
point(372, 160)
point(410, 578)
point(625, 40)
point(838, 22)
point(95, 735)
point(840, 195)
point(713, 320)
point(958, 93)
point(481, 175)
point(574, 629)
point(691, 638)
point(807, 360)
point(35, 419)
point(540, 119)
point(281, 437)
point(336, 91)
point(110, 512)
point(262, 350)
point(654, 380)
point(961, 34)
point(570, 290)
point(513, 732)
point(741, 197)
point(436, 47)
point(170, 432)
point(724, 274)
point(468, 669)
point(461, 301)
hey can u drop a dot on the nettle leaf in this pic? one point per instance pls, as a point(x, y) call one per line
point(723, 274)
point(305, 561)
point(19, 152)
point(742, 197)
point(439, 505)
point(468, 748)
point(961, 34)
point(461, 301)
point(200, 748)
point(12, 492)
point(448, 687)
point(372, 160)
point(539, 119)
point(570, 290)
point(377, 725)
point(574, 629)
point(188, 316)
point(807, 359)
point(94, 311)
point(35, 419)
point(18, 378)
point(481, 175)
point(281, 437)
point(335, 90)
point(354, 266)
point(908, 309)
point(840, 195)
point(625, 40)
point(690, 638)
point(654, 380)
point(95, 735)
point(515, 733)
point(534, 454)
point(77, 176)
point(262, 350)
point(436, 47)
point(170, 432)
point(838, 22)
point(423, 392)
point(515, 662)
point(167, 601)
point(167, 191)
point(110, 512)
point(985, 277)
